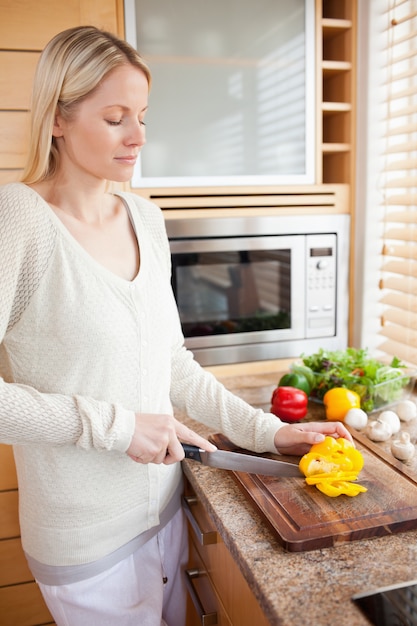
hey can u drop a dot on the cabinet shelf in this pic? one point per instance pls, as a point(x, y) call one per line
point(333, 148)
point(330, 68)
point(329, 108)
point(331, 27)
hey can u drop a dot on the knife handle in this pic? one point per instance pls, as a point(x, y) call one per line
point(191, 452)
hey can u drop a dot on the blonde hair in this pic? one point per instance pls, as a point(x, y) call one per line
point(70, 67)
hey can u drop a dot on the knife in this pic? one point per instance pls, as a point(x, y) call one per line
point(241, 462)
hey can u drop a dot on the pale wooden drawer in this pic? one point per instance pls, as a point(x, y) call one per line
point(238, 599)
point(203, 604)
point(23, 605)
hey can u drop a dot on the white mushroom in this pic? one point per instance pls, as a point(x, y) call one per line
point(406, 410)
point(378, 430)
point(357, 418)
point(391, 418)
point(402, 448)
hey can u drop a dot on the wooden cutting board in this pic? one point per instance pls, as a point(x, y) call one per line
point(303, 518)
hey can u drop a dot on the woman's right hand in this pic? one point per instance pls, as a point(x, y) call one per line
point(157, 439)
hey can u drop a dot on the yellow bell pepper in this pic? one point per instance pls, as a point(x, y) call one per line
point(332, 465)
point(338, 401)
point(339, 488)
point(332, 455)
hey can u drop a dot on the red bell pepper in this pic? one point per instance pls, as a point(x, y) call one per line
point(289, 403)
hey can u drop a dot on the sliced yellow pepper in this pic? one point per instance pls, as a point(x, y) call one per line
point(339, 488)
point(332, 465)
point(331, 455)
point(327, 478)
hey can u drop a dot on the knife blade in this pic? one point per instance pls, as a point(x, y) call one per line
point(240, 462)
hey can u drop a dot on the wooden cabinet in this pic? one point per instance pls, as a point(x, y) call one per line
point(336, 29)
point(336, 37)
point(218, 592)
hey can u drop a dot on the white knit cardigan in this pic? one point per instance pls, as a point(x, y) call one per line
point(81, 350)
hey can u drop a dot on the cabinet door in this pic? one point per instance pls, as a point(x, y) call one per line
point(233, 99)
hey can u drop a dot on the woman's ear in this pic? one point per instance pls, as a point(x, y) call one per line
point(57, 130)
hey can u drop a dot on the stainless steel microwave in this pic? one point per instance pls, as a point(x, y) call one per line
point(266, 287)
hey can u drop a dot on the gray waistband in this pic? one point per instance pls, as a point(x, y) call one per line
point(67, 574)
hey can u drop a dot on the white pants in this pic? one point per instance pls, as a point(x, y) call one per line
point(133, 592)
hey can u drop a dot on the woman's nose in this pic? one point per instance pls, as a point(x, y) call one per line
point(137, 134)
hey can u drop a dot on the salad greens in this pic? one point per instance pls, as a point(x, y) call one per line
point(376, 383)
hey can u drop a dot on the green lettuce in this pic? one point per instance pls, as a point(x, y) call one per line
point(376, 383)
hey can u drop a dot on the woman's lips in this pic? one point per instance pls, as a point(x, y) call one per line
point(129, 160)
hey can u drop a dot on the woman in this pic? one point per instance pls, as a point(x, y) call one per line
point(92, 357)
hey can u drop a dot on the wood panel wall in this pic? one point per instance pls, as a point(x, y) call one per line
point(25, 28)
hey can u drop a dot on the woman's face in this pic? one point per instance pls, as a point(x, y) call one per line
point(106, 131)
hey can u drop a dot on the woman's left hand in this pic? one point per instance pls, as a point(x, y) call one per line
point(298, 438)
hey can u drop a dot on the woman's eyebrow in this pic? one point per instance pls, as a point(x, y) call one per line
point(123, 107)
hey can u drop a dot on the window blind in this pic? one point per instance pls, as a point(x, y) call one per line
point(398, 181)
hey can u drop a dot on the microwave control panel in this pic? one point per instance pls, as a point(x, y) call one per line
point(321, 265)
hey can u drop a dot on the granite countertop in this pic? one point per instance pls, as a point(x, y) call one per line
point(296, 588)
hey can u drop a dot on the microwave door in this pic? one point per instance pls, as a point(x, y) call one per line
point(240, 290)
